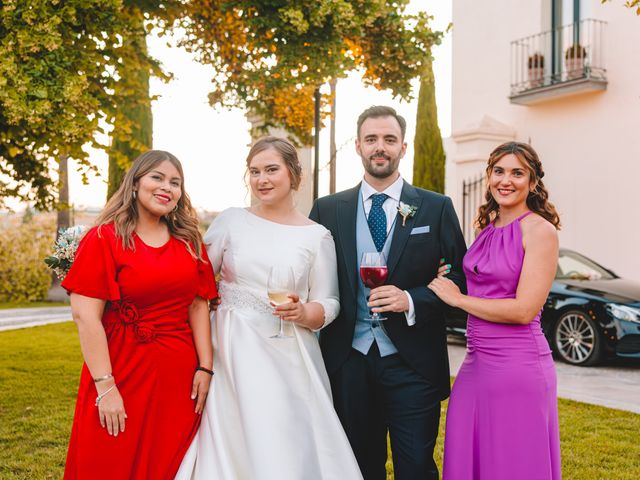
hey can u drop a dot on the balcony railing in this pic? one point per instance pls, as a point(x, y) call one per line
point(568, 58)
point(473, 190)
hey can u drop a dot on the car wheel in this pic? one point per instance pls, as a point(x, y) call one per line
point(576, 339)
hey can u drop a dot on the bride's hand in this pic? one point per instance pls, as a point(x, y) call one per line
point(293, 311)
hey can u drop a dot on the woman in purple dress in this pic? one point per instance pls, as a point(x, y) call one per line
point(502, 422)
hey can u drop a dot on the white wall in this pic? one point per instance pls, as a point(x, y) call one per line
point(589, 144)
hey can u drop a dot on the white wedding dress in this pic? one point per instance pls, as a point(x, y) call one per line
point(269, 414)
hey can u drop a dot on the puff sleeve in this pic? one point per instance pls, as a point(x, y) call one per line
point(93, 272)
point(216, 238)
point(206, 278)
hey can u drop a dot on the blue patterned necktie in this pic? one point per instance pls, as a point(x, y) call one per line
point(377, 220)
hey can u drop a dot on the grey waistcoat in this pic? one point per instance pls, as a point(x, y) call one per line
point(366, 332)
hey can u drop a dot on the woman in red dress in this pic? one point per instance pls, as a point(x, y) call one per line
point(139, 287)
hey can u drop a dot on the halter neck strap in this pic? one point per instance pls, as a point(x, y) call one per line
point(523, 215)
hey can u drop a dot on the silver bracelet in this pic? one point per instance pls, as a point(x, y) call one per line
point(102, 378)
point(102, 395)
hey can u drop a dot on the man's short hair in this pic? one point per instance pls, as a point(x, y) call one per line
point(377, 111)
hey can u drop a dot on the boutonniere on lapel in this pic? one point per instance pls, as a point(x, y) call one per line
point(406, 211)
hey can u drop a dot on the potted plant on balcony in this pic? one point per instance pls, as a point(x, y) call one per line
point(574, 60)
point(535, 65)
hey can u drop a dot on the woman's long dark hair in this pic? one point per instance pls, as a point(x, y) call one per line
point(538, 198)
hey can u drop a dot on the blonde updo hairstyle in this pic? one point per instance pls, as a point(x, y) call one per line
point(287, 152)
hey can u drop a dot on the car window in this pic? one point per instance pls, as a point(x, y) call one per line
point(573, 266)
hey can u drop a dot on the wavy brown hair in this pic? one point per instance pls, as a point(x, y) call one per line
point(538, 198)
point(122, 207)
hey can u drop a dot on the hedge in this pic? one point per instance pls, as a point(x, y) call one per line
point(23, 275)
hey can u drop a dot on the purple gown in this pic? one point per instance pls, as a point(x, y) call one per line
point(502, 422)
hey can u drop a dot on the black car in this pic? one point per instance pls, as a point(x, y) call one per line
point(590, 313)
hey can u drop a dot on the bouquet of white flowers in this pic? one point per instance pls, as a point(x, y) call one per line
point(64, 250)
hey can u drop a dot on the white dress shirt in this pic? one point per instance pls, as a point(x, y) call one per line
point(390, 207)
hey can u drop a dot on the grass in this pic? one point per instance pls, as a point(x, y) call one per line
point(39, 369)
point(7, 305)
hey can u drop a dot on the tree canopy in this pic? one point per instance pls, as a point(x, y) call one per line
point(53, 84)
point(133, 127)
point(270, 55)
point(67, 69)
point(59, 64)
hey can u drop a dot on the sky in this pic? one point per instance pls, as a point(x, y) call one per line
point(212, 144)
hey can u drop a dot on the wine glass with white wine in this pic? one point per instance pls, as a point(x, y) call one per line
point(280, 284)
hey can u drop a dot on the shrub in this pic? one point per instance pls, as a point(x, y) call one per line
point(23, 275)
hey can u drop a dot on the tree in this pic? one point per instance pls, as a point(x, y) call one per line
point(429, 157)
point(333, 151)
point(133, 125)
point(53, 88)
point(59, 65)
point(133, 121)
point(271, 55)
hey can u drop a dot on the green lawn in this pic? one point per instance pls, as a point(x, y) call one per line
point(39, 370)
point(6, 305)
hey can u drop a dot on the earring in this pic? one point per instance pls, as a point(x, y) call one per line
point(134, 195)
point(175, 209)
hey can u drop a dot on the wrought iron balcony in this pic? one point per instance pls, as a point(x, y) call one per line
point(559, 62)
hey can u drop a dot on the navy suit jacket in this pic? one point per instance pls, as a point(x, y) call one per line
point(413, 262)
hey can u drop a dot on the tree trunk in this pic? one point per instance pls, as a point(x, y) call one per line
point(316, 141)
point(429, 157)
point(133, 128)
point(64, 207)
point(63, 220)
point(332, 138)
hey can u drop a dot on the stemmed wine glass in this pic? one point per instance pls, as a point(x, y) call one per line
point(280, 284)
point(373, 272)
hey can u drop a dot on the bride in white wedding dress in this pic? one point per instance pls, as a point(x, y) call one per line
point(269, 415)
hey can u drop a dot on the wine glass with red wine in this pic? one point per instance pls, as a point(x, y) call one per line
point(373, 272)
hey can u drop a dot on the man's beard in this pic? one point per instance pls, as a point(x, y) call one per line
point(381, 172)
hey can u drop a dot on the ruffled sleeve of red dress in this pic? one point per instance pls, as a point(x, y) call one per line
point(93, 272)
point(206, 278)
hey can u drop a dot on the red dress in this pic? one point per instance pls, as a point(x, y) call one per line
point(148, 293)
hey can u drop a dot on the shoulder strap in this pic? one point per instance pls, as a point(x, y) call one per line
point(523, 215)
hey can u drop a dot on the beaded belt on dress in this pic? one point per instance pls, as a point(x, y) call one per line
point(237, 297)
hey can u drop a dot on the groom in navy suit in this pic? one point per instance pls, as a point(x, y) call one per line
point(389, 376)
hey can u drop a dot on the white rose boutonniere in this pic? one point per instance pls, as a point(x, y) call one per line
point(406, 211)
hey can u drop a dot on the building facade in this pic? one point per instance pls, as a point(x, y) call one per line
point(564, 76)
